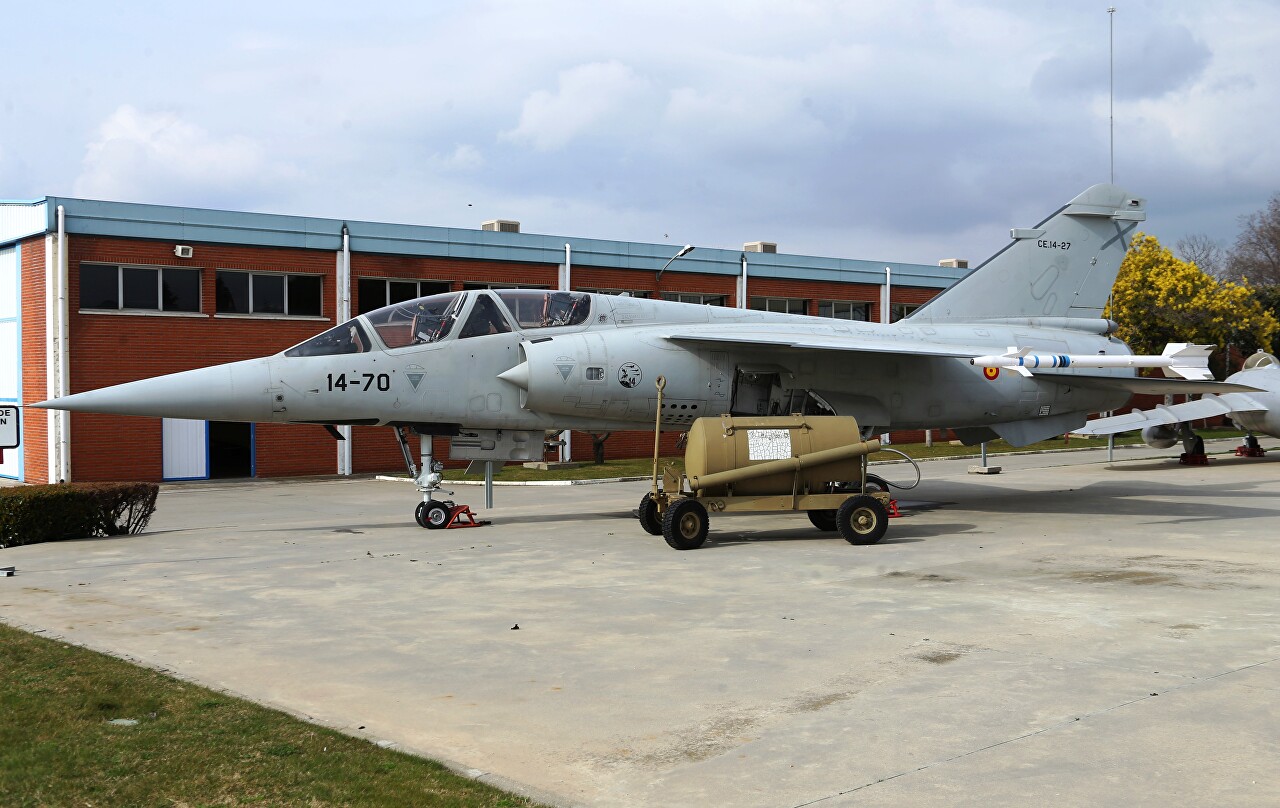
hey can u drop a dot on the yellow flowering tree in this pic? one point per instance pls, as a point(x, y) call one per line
point(1158, 299)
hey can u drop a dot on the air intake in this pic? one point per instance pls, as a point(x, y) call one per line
point(760, 246)
point(501, 226)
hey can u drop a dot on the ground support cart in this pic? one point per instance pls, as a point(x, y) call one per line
point(767, 464)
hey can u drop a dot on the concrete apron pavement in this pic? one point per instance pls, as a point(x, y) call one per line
point(1066, 633)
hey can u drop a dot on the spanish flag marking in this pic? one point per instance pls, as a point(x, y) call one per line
point(991, 373)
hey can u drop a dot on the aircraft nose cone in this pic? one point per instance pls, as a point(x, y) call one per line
point(231, 392)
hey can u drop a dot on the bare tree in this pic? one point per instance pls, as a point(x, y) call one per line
point(1256, 255)
point(1204, 252)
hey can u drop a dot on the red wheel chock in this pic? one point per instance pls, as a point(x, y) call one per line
point(1188, 459)
point(893, 508)
point(461, 516)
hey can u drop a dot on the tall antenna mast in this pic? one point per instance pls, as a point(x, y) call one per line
point(1111, 15)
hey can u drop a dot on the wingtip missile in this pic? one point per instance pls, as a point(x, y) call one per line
point(1179, 359)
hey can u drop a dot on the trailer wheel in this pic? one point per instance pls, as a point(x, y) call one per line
point(684, 525)
point(823, 520)
point(862, 520)
point(650, 519)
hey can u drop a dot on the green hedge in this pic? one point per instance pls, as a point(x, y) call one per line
point(36, 513)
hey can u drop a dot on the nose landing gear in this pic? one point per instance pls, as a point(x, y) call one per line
point(432, 513)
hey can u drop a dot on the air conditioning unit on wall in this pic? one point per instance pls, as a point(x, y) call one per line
point(183, 250)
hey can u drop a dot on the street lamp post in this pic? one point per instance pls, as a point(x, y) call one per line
point(685, 250)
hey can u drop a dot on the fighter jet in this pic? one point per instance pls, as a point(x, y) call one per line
point(497, 370)
point(1256, 410)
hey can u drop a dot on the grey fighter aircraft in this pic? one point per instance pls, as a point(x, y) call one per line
point(1256, 410)
point(497, 370)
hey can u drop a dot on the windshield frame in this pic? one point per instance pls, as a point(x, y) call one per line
point(420, 321)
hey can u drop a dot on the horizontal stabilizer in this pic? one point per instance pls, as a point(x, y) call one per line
point(1207, 407)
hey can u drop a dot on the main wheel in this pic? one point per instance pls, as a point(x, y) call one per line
point(433, 516)
point(684, 525)
point(823, 520)
point(862, 520)
point(650, 519)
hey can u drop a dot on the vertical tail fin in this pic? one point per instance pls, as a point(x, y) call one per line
point(1063, 267)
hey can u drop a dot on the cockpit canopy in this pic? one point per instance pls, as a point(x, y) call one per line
point(538, 308)
point(1261, 359)
point(431, 319)
point(416, 322)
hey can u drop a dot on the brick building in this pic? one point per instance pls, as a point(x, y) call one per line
point(97, 293)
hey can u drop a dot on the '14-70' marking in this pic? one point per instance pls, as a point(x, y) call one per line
point(382, 381)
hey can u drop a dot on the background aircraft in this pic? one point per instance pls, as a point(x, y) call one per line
point(496, 370)
point(1257, 410)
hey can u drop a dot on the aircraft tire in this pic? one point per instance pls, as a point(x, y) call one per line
point(434, 517)
point(862, 520)
point(650, 519)
point(823, 520)
point(684, 525)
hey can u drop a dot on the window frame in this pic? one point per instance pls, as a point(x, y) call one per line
point(901, 311)
point(863, 305)
point(788, 303)
point(386, 290)
point(160, 270)
point(251, 273)
point(674, 297)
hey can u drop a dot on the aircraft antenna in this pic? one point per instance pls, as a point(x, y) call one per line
point(1111, 15)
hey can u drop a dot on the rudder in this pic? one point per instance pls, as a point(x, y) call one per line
point(1063, 267)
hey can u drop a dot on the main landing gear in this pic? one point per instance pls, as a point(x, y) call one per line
point(432, 513)
point(1250, 447)
point(1192, 447)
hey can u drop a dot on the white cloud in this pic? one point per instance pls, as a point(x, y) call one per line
point(900, 131)
point(602, 98)
point(465, 157)
point(158, 156)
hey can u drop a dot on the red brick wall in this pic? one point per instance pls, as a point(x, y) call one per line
point(726, 285)
point(109, 349)
point(35, 423)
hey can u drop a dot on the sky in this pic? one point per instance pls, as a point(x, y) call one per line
point(909, 131)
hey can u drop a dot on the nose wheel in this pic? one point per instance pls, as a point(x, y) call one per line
point(443, 515)
point(432, 515)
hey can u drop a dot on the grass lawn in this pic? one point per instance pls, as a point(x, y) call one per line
point(190, 747)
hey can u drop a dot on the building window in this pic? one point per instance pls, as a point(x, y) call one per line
point(616, 292)
point(693, 297)
point(470, 286)
point(268, 293)
point(108, 286)
point(784, 305)
point(374, 293)
point(844, 309)
point(899, 311)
